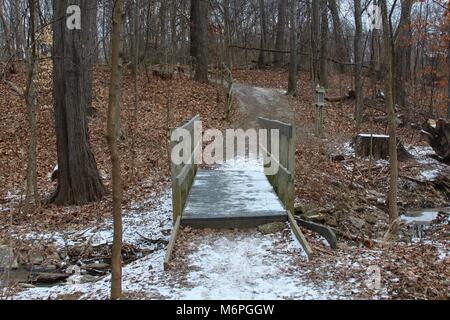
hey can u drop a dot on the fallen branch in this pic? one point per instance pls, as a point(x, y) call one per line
point(348, 96)
point(15, 88)
point(288, 52)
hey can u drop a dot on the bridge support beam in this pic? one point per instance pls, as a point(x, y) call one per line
point(171, 244)
point(299, 235)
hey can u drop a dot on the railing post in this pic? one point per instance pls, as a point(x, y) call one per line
point(291, 168)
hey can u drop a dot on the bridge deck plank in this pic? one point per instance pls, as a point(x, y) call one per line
point(232, 198)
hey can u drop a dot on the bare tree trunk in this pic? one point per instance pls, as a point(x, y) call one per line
point(19, 34)
point(227, 22)
point(112, 135)
point(199, 38)
point(448, 66)
point(323, 56)
point(30, 97)
point(293, 57)
point(104, 34)
point(339, 41)
point(263, 41)
point(388, 82)
point(315, 25)
point(78, 179)
point(402, 54)
point(173, 33)
point(281, 27)
point(6, 32)
point(374, 60)
point(135, 86)
point(358, 63)
point(89, 20)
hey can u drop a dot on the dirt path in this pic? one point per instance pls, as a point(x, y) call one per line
point(254, 102)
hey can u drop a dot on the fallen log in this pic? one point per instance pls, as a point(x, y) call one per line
point(348, 96)
point(437, 134)
point(163, 75)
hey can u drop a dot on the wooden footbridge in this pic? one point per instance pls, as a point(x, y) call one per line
point(231, 197)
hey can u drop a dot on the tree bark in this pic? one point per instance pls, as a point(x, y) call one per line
point(448, 63)
point(19, 34)
point(315, 25)
point(281, 27)
point(199, 39)
point(323, 76)
point(112, 135)
point(78, 179)
point(402, 54)
point(30, 97)
point(263, 40)
point(393, 163)
point(227, 22)
point(358, 63)
point(374, 60)
point(135, 87)
point(293, 57)
point(339, 41)
point(89, 21)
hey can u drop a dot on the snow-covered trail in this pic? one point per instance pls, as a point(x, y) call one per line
point(247, 265)
point(210, 264)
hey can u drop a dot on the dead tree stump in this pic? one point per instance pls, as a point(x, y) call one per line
point(376, 145)
point(437, 134)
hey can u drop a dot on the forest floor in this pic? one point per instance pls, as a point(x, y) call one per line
point(330, 186)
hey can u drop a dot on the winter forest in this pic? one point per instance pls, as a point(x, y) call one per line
point(224, 149)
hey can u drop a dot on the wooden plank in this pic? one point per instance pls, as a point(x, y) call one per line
point(236, 198)
point(299, 235)
point(285, 129)
point(171, 244)
point(321, 229)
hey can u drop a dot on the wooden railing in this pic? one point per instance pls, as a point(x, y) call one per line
point(228, 77)
point(282, 180)
point(183, 174)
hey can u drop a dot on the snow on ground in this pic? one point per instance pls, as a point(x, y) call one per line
point(153, 224)
point(207, 265)
point(249, 266)
point(432, 167)
point(430, 175)
point(348, 149)
point(220, 266)
point(421, 154)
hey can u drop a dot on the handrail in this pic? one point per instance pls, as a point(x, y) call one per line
point(183, 175)
point(283, 180)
